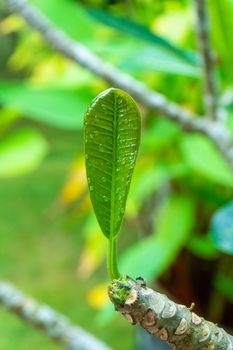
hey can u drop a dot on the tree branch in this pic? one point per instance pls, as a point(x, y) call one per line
point(56, 326)
point(163, 318)
point(203, 32)
point(84, 57)
point(57, 39)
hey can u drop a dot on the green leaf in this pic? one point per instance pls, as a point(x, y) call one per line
point(21, 152)
point(57, 107)
point(203, 247)
point(66, 14)
point(148, 58)
point(221, 18)
point(145, 181)
point(204, 159)
point(137, 57)
point(158, 55)
point(159, 133)
point(224, 284)
point(221, 228)
point(152, 256)
point(7, 118)
point(141, 32)
point(112, 135)
point(148, 179)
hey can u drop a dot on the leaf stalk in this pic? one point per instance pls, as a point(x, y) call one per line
point(112, 259)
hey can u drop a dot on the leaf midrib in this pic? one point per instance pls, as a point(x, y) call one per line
point(113, 185)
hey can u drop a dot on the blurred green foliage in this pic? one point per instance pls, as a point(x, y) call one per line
point(49, 239)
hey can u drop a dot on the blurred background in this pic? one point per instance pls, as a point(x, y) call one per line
point(177, 232)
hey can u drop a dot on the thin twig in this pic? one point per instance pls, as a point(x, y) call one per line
point(178, 325)
point(57, 39)
point(203, 32)
point(56, 326)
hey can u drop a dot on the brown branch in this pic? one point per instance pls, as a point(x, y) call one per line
point(203, 32)
point(54, 325)
point(178, 325)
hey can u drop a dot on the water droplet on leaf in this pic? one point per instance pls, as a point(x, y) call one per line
point(105, 198)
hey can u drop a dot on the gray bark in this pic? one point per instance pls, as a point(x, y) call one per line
point(58, 40)
point(207, 55)
point(176, 324)
point(54, 325)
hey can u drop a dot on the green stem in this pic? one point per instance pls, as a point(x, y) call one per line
point(112, 259)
